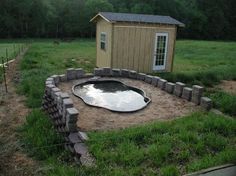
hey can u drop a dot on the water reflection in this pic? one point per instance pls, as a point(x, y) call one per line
point(112, 95)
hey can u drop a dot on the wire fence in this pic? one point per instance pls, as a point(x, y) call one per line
point(8, 53)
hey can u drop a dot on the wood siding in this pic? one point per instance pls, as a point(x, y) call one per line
point(104, 56)
point(134, 44)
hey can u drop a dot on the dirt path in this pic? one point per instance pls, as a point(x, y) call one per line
point(13, 161)
point(228, 86)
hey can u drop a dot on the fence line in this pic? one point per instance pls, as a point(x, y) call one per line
point(5, 63)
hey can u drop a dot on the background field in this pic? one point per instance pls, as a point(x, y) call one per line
point(194, 142)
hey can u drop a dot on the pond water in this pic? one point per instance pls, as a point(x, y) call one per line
point(112, 95)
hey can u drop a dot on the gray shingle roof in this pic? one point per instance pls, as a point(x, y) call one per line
point(140, 18)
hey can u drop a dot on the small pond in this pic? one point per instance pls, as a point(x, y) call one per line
point(112, 95)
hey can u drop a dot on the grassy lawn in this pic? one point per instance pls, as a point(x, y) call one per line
point(167, 148)
point(194, 142)
point(203, 62)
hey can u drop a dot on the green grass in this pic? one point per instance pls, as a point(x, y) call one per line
point(45, 59)
point(223, 101)
point(203, 62)
point(7, 49)
point(195, 142)
point(40, 137)
point(198, 141)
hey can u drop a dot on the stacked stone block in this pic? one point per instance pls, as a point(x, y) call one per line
point(98, 71)
point(187, 93)
point(132, 74)
point(125, 73)
point(60, 109)
point(116, 72)
point(197, 94)
point(155, 80)
point(148, 79)
point(179, 86)
point(162, 84)
point(170, 87)
point(106, 71)
point(141, 76)
point(206, 103)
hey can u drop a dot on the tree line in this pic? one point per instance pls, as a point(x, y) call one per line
point(204, 19)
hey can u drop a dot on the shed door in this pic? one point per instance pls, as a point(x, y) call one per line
point(160, 52)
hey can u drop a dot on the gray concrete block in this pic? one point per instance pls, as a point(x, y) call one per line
point(179, 86)
point(148, 79)
point(74, 138)
point(62, 78)
point(56, 79)
point(206, 103)
point(53, 91)
point(197, 94)
point(132, 74)
point(81, 149)
point(88, 75)
point(141, 76)
point(162, 84)
point(83, 136)
point(155, 80)
point(71, 115)
point(71, 127)
point(116, 72)
point(79, 73)
point(170, 87)
point(187, 93)
point(49, 88)
point(70, 74)
point(67, 103)
point(49, 82)
point(125, 73)
point(98, 71)
point(197, 89)
point(106, 71)
point(64, 95)
point(49, 79)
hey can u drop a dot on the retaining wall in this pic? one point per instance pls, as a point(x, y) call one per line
point(59, 106)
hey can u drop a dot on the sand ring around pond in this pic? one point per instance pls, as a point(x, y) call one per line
point(164, 106)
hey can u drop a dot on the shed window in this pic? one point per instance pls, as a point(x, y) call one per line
point(103, 41)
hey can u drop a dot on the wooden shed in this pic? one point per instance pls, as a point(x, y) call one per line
point(144, 43)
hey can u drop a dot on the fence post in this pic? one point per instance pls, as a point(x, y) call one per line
point(4, 74)
point(7, 58)
point(14, 50)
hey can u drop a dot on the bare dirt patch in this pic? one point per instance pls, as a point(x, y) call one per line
point(164, 106)
point(13, 161)
point(228, 86)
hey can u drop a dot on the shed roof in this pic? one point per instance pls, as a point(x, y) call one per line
point(139, 18)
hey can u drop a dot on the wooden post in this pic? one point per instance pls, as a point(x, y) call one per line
point(14, 49)
point(7, 57)
point(4, 74)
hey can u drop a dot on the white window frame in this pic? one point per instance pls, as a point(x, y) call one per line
point(103, 41)
point(160, 67)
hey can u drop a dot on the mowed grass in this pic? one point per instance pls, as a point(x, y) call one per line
point(45, 59)
point(203, 62)
point(181, 146)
